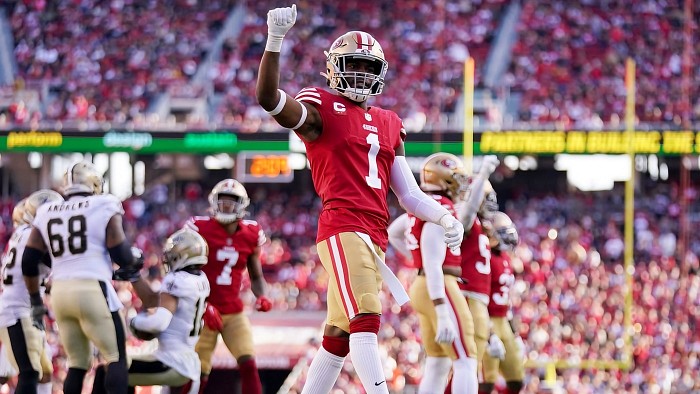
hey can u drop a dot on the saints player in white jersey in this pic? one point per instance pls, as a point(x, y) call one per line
point(83, 235)
point(25, 344)
point(6, 369)
point(174, 317)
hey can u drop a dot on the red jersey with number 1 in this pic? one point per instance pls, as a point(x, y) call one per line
point(476, 261)
point(351, 164)
point(228, 259)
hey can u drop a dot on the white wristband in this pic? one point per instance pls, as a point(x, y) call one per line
point(274, 43)
point(303, 117)
point(280, 104)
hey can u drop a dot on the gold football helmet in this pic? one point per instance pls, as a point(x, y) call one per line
point(184, 248)
point(37, 199)
point(356, 85)
point(504, 231)
point(18, 214)
point(224, 211)
point(82, 177)
point(444, 172)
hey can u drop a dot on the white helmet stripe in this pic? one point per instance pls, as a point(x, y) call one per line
point(365, 39)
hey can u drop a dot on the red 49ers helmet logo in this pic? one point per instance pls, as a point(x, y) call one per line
point(337, 44)
point(448, 163)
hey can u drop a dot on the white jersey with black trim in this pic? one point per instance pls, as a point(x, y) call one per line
point(75, 233)
point(14, 299)
point(176, 343)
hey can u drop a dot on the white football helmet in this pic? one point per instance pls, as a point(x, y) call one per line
point(444, 172)
point(82, 177)
point(37, 199)
point(357, 86)
point(184, 248)
point(18, 214)
point(233, 188)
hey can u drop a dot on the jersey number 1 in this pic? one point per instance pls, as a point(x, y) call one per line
point(373, 178)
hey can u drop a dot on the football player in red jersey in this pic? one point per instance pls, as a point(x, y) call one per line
point(504, 238)
point(446, 324)
point(234, 245)
point(356, 154)
point(476, 254)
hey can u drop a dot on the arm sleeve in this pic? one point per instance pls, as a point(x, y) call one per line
point(121, 254)
point(397, 237)
point(410, 196)
point(153, 323)
point(433, 251)
point(30, 261)
point(466, 211)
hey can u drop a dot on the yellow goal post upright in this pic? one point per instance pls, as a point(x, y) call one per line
point(468, 128)
point(551, 366)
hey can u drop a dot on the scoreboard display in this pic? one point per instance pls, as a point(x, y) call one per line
point(263, 167)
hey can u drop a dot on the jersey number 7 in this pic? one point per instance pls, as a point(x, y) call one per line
point(230, 256)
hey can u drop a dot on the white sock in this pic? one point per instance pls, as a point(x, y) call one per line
point(364, 351)
point(465, 380)
point(323, 372)
point(435, 375)
point(44, 388)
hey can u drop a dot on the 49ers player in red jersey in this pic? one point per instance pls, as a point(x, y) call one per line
point(504, 238)
point(234, 245)
point(476, 254)
point(356, 154)
point(446, 324)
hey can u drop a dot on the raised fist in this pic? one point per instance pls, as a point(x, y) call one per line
point(489, 164)
point(280, 20)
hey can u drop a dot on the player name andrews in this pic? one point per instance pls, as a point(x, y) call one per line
point(69, 206)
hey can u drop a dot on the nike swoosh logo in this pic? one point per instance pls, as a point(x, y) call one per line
point(377, 384)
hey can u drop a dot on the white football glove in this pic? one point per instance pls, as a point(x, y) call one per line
point(446, 330)
point(520, 345)
point(496, 348)
point(488, 165)
point(454, 231)
point(279, 21)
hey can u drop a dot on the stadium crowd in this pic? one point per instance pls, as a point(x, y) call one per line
point(568, 300)
point(569, 62)
point(97, 62)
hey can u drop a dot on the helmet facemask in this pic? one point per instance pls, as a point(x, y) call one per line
point(230, 207)
point(352, 48)
point(233, 206)
point(504, 232)
point(489, 206)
